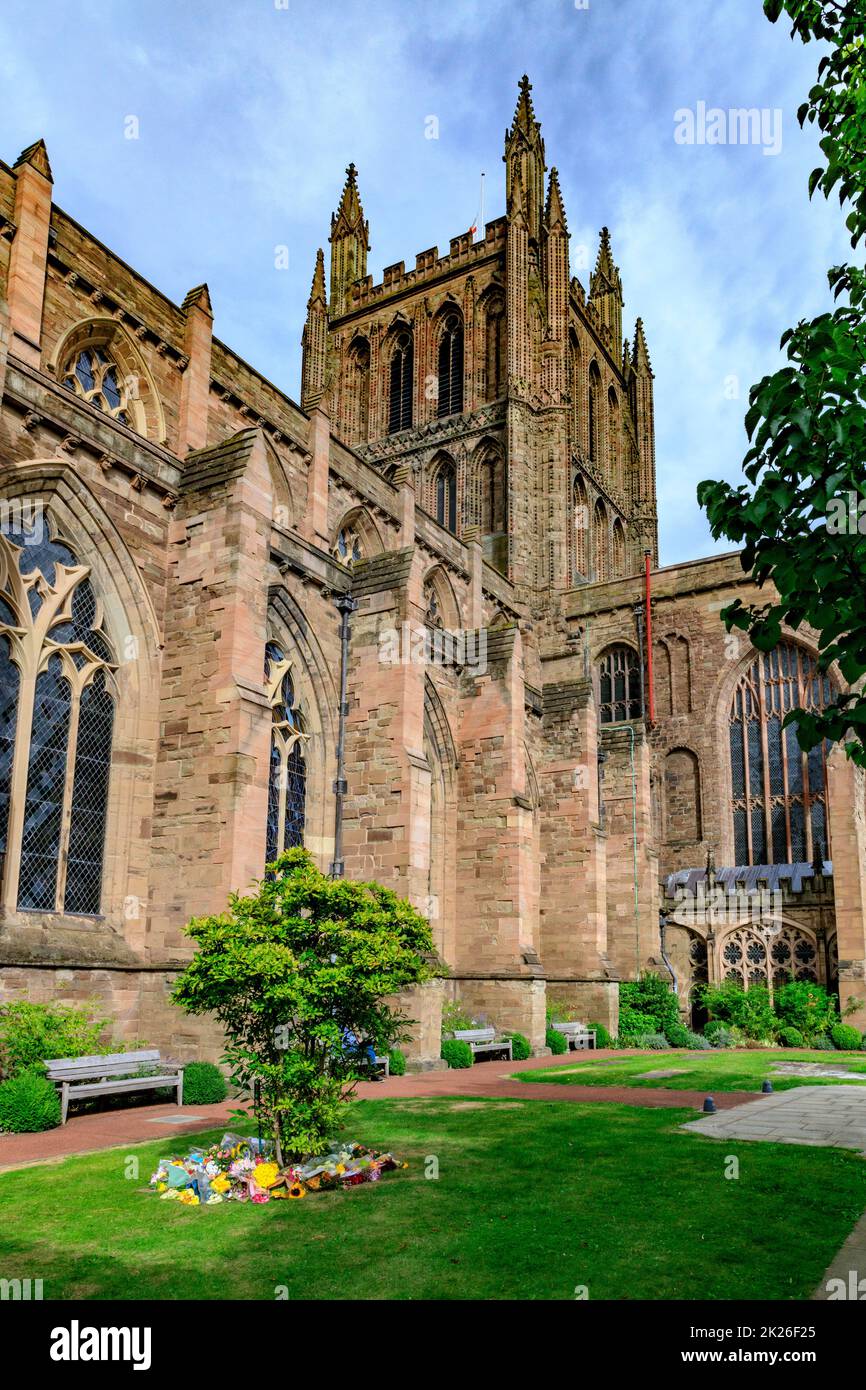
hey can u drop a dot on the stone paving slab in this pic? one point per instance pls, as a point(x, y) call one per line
point(845, 1277)
point(825, 1116)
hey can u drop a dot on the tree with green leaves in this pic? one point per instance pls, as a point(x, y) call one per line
point(298, 974)
point(801, 516)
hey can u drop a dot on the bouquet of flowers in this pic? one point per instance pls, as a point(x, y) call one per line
point(242, 1170)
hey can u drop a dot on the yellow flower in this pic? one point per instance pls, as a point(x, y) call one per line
point(341, 1168)
point(265, 1174)
point(161, 1186)
point(220, 1184)
point(296, 1190)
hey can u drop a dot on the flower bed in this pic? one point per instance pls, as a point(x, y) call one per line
point(242, 1170)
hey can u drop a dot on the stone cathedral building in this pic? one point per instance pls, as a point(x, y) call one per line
point(455, 519)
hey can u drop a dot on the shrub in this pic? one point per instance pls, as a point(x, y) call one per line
point(696, 1042)
point(790, 1037)
point(677, 1034)
point(650, 997)
point(559, 1013)
point(602, 1036)
point(457, 1054)
point(557, 1042)
point(28, 1103)
point(717, 1034)
point(655, 1042)
point(455, 1018)
point(31, 1033)
point(846, 1037)
point(203, 1084)
point(749, 1010)
point(634, 1025)
point(808, 1007)
point(520, 1048)
point(823, 1044)
point(396, 1062)
point(298, 974)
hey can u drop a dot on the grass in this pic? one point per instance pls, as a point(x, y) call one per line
point(724, 1070)
point(532, 1199)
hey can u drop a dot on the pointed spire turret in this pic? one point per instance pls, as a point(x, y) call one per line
point(640, 352)
point(36, 155)
point(315, 339)
point(350, 242)
point(524, 155)
point(554, 213)
point(605, 288)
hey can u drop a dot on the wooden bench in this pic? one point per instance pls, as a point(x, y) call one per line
point(579, 1037)
point(79, 1077)
point(483, 1040)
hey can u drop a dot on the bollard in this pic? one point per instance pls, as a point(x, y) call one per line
point(709, 1106)
point(767, 1088)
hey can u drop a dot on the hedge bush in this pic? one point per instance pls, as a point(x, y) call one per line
point(790, 1037)
point(846, 1037)
point(397, 1062)
point(520, 1047)
point(677, 1034)
point(456, 1053)
point(602, 1036)
point(823, 1044)
point(807, 1006)
point(557, 1042)
point(203, 1084)
point(28, 1103)
point(649, 998)
point(717, 1034)
point(655, 1042)
point(697, 1043)
point(31, 1033)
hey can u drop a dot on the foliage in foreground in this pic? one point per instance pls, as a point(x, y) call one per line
point(807, 421)
point(203, 1084)
point(297, 974)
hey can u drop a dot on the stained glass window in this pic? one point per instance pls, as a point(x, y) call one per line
point(287, 779)
point(401, 384)
point(95, 377)
point(56, 721)
point(779, 792)
point(450, 397)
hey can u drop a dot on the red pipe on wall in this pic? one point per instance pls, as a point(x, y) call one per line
point(649, 639)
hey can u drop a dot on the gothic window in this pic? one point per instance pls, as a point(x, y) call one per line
point(358, 392)
point(402, 370)
point(595, 421)
point(787, 953)
point(347, 548)
point(494, 348)
point(446, 496)
point(450, 399)
point(432, 611)
point(618, 550)
point(287, 781)
point(95, 377)
point(56, 722)
point(619, 685)
point(779, 792)
point(492, 493)
point(614, 441)
point(581, 529)
point(600, 541)
point(573, 367)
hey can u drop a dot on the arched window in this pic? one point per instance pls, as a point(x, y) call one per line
point(450, 399)
point(619, 685)
point(614, 459)
point(574, 388)
point(348, 548)
point(600, 542)
point(618, 550)
point(446, 496)
point(749, 956)
point(494, 348)
point(287, 782)
point(95, 377)
point(581, 530)
point(779, 792)
point(357, 412)
point(491, 498)
point(402, 372)
point(56, 722)
point(595, 421)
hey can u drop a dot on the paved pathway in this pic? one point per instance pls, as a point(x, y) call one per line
point(817, 1115)
point(849, 1266)
point(486, 1080)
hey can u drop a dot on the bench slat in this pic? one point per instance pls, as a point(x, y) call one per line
point(149, 1055)
point(104, 1088)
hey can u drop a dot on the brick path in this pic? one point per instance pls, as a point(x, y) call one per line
point(486, 1080)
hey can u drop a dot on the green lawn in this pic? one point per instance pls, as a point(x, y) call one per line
point(533, 1199)
point(725, 1070)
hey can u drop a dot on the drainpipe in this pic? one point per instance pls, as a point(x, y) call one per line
point(663, 923)
point(345, 605)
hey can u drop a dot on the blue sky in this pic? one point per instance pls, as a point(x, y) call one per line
point(249, 110)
